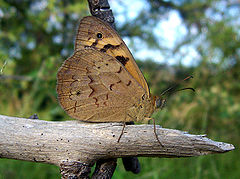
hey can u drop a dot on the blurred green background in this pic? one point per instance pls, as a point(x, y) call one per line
point(37, 35)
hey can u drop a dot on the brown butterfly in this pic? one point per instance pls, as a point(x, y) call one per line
point(101, 81)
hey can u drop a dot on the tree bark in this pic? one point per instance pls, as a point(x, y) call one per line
point(73, 141)
point(101, 9)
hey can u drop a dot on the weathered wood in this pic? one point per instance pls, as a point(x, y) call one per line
point(73, 141)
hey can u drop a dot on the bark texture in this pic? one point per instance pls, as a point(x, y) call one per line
point(73, 141)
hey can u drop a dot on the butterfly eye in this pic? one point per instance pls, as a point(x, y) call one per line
point(160, 103)
point(99, 35)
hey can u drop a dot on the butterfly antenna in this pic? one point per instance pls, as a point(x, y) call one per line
point(174, 86)
point(165, 91)
point(184, 89)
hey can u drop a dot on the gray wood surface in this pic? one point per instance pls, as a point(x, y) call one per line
point(56, 142)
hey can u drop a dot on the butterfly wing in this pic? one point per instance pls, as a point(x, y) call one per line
point(94, 86)
point(95, 33)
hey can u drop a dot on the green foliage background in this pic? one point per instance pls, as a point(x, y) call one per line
point(36, 36)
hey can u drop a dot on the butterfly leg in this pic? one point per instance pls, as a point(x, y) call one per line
point(124, 124)
point(154, 130)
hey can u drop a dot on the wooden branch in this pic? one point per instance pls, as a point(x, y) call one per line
point(101, 9)
point(73, 141)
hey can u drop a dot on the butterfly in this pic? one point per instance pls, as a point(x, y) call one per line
point(101, 81)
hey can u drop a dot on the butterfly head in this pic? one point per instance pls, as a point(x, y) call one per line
point(158, 102)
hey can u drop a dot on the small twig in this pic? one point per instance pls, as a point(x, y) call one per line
point(104, 168)
point(15, 77)
point(74, 170)
point(4, 64)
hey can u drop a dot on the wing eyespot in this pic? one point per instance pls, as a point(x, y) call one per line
point(99, 35)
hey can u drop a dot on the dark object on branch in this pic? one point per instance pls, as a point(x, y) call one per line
point(34, 116)
point(131, 164)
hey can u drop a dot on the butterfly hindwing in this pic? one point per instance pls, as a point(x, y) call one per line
point(95, 33)
point(93, 85)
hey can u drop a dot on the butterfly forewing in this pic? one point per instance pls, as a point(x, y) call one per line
point(93, 86)
point(95, 33)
